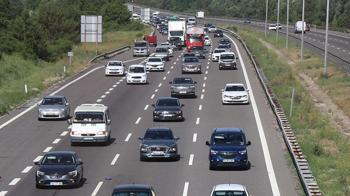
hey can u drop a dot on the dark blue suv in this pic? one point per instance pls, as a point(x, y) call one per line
point(228, 148)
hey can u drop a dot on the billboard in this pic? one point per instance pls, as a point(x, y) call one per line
point(200, 14)
point(91, 29)
point(145, 15)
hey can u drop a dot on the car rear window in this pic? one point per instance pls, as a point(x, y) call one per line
point(89, 117)
point(227, 56)
point(167, 102)
point(140, 44)
point(154, 60)
point(136, 70)
point(114, 64)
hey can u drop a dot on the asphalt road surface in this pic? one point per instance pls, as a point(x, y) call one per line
point(25, 138)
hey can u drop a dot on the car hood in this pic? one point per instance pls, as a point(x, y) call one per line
point(136, 74)
point(57, 169)
point(235, 93)
point(167, 108)
point(182, 85)
point(191, 63)
point(228, 148)
point(114, 67)
point(154, 63)
point(159, 142)
point(51, 107)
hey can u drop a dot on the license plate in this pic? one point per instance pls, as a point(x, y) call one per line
point(136, 80)
point(182, 92)
point(168, 115)
point(228, 160)
point(157, 153)
point(88, 138)
point(56, 183)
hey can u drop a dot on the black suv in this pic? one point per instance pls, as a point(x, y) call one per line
point(59, 168)
point(183, 86)
point(133, 190)
point(225, 42)
point(218, 33)
point(167, 108)
point(158, 142)
point(228, 148)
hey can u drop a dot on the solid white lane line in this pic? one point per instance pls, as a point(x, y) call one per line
point(190, 162)
point(194, 139)
point(185, 191)
point(203, 90)
point(14, 181)
point(38, 158)
point(160, 84)
point(197, 121)
point(146, 107)
point(200, 107)
point(152, 96)
point(203, 84)
point(265, 147)
point(3, 193)
point(114, 86)
point(115, 159)
point(164, 78)
point(128, 137)
point(56, 140)
point(64, 133)
point(47, 149)
point(27, 169)
point(138, 120)
point(156, 90)
point(99, 184)
point(98, 100)
point(103, 96)
point(202, 96)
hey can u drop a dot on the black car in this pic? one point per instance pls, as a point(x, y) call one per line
point(218, 33)
point(228, 148)
point(133, 190)
point(185, 55)
point(158, 142)
point(167, 108)
point(225, 42)
point(198, 51)
point(224, 46)
point(59, 168)
point(183, 86)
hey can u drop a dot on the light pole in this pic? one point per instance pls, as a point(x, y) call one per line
point(302, 33)
point(278, 20)
point(267, 9)
point(287, 24)
point(326, 42)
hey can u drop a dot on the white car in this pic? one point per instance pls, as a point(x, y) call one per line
point(154, 64)
point(137, 74)
point(212, 29)
point(207, 41)
point(275, 26)
point(215, 55)
point(170, 47)
point(115, 68)
point(229, 189)
point(235, 93)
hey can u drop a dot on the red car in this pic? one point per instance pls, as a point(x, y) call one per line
point(151, 39)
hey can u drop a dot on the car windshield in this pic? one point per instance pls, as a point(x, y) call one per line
point(137, 70)
point(176, 33)
point(52, 101)
point(58, 159)
point(223, 46)
point(197, 48)
point(158, 135)
point(229, 193)
point(154, 60)
point(132, 193)
point(191, 60)
point(219, 51)
point(228, 139)
point(89, 117)
point(168, 102)
point(183, 81)
point(114, 64)
point(227, 56)
point(189, 55)
point(234, 88)
point(195, 39)
point(161, 50)
point(140, 44)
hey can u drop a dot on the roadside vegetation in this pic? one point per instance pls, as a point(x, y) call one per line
point(325, 147)
point(35, 37)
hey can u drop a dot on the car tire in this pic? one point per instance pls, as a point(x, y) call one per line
point(212, 166)
point(73, 143)
point(40, 119)
point(38, 186)
point(142, 158)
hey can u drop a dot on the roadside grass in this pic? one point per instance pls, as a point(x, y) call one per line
point(15, 71)
point(327, 150)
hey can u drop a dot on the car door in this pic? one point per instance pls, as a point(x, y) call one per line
point(108, 122)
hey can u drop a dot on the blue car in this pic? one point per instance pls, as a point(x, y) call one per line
point(228, 148)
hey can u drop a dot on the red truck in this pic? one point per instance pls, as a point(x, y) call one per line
point(194, 37)
point(151, 39)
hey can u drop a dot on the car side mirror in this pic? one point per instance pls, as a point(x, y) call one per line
point(153, 105)
point(140, 138)
point(222, 90)
point(109, 121)
point(182, 105)
point(69, 121)
point(249, 143)
point(195, 82)
point(80, 162)
point(36, 163)
point(177, 138)
point(207, 143)
point(170, 82)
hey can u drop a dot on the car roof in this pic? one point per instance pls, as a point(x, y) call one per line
point(137, 65)
point(234, 84)
point(60, 152)
point(54, 96)
point(228, 129)
point(159, 98)
point(115, 61)
point(159, 129)
point(228, 187)
point(227, 53)
point(94, 107)
point(185, 77)
point(126, 187)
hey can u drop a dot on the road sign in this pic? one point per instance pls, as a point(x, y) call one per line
point(130, 8)
point(200, 14)
point(91, 29)
point(70, 54)
point(145, 15)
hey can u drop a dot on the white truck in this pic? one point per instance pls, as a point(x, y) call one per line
point(176, 30)
point(298, 28)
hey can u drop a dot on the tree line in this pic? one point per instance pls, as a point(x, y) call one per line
point(315, 10)
point(47, 29)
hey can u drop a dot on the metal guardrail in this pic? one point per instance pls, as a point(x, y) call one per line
point(308, 181)
point(110, 54)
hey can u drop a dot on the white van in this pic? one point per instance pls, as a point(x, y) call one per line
point(91, 123)
point(191, 21)
point(298, 28)
point(137, 74)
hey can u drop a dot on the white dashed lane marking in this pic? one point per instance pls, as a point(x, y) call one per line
point(164, 78)
point(185, 191)
point(146, 107)
point(128, 137)
point(203, 90)
point(152, 96)
point(194, 139)
point(160, 84)
point(190, 161)
point(203, 85)
point(110, 89)
point(114, 86)
point(64, 133)
point(197, 121)
point(200, 107)
point(38, 158)
point(103, 96)
point(106, 93)
point(56, 141)
point(48, 149)
point(14, 181)
point(27, 169)
point(3, 193)
point(205, 77)
point(98, 100)
point(138, 120)
point(115, 159)
point(156, 90)
point(202, 96)
point(99, 184)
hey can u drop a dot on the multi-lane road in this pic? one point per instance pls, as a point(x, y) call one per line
point(25, 139)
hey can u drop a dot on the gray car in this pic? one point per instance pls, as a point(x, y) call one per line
point(53, 107)
point(159, 142)
point(183, 86)
point(141, 48)
point(191, 65)
point(162, 52)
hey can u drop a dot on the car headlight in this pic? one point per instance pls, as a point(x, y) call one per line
point(172, 149)
point(243, 152)
point(213, 152)
point(39, 173)
point(192, 86)
point(157, 112)
point(225, 96)
point(73, 173)
point(40, 109)
point(244, 96)
point(143, 148)
point(102, 133)
point(61, 109)
point(178, 112)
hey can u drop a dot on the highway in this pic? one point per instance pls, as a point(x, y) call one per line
point(25, 139)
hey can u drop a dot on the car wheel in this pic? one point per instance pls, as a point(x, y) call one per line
point(38, 186)
point(142, 158)
point(212, 166)
point(40, 119)
point(220, 68)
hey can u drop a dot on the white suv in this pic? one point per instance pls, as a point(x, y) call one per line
point(91, 123)
point(115, 68)
point(137, 74)
point(229, 189)
point(154, 64)
point(216, 54)
point(235, 93)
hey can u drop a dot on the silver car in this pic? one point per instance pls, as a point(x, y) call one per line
point(183, 86)
point(191, 65)
point(53, 107)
